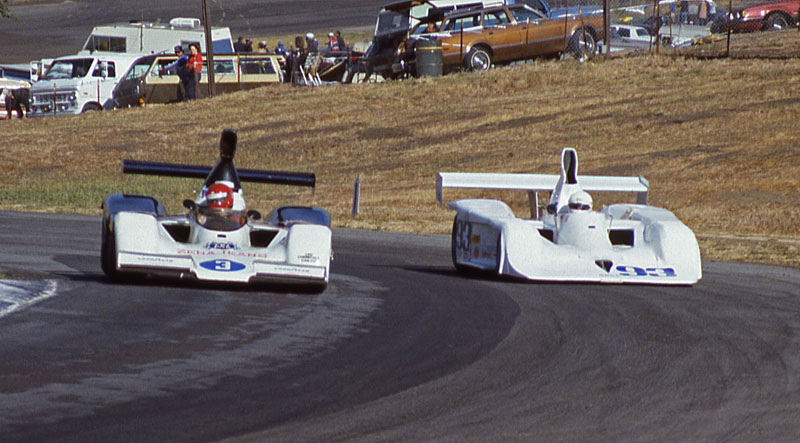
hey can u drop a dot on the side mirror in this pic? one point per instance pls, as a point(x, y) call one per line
point(189, 204)
point(253, 214)
point(551, 208)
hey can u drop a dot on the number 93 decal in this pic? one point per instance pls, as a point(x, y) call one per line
point(633, 271)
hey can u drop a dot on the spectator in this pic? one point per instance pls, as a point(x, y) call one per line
point(262, 47)
point(702, 14)
point(280, 49)
point(694, 9)
point(333, 44)
point(248, 45)
point(684, 11)
point(240, 45)
point(342, 42)
point(196, 65)
point(312, 45)
point(185, 74)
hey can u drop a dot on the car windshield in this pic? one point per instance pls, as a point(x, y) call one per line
point(390, 22)
point(75, 68)
point(220, 219)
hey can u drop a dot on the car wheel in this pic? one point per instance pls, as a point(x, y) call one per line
point(453, 239)
point(108, 251)
point(776, 22)
point(499, 254)
point(582, 45)
point(478, 59)
point(90, 107)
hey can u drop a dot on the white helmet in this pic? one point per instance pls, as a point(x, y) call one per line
point(310, 36)
point(580, 201)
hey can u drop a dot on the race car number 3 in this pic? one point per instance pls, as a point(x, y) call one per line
point(222, 265)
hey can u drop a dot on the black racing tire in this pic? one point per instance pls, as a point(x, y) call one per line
point(90, 107)
point(776, 22)
point(459, 267)
point(499, 254)
point(108, 251)
point(581, 47)
point(478, 59)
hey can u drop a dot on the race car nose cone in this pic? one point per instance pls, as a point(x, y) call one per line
point(227, 144)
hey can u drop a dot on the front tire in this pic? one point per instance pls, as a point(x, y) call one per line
point(453, 240)
point(108, 251)
point(478, 59)
point(90, 107)
point(777, 22)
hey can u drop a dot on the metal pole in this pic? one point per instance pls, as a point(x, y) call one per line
point(730, 12)
point(566, 15)
point(356, 196)
point(606, 25)
point(209, 50)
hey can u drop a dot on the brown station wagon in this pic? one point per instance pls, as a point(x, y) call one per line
point(478, 38)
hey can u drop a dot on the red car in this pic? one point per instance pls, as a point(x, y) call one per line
point(767, 16)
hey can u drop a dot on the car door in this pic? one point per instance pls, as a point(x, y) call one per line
point(463, 30)
point(503, 36)
point(105, 74)
point(131, 88)
point(542, 35)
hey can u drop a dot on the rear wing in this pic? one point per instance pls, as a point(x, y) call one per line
point(532, 183)
point(193, 171)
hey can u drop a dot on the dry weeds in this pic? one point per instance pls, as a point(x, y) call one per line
point(717, 139)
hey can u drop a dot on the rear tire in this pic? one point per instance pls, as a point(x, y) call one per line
point(777, 22)
point(478, 59)
point(581, 48)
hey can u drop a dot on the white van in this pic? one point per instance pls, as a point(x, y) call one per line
point(80, 83)
point(153, 38)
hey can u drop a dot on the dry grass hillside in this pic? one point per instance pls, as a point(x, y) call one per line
point(717, 139)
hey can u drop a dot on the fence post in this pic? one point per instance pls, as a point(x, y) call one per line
point(356, 196)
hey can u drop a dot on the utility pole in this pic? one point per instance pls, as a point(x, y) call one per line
point(209, 49)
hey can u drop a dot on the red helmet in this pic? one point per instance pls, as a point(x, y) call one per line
point(219, 195)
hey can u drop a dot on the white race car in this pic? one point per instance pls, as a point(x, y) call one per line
point(622, 243)
point(218, 239)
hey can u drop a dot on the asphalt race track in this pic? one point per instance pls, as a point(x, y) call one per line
point(399, 347)
point(55, 28)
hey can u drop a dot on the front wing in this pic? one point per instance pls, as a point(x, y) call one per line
point(297, 253)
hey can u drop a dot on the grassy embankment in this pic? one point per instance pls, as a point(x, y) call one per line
point(716, 139)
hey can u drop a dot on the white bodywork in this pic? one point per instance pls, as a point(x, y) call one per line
point(298, 251)
point(622, 243)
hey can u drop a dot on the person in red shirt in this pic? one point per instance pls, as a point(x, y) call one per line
point(196, 64)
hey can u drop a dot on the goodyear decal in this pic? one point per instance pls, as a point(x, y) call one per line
point(222, 265)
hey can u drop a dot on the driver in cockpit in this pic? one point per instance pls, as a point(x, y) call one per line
point(580, 201)
point(215, 209)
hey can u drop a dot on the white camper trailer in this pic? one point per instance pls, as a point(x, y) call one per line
point(153, 38)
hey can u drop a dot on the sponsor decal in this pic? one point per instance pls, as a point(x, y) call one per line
point(227, 253)
point(308, 258)
point(633, 271)
point(221, 246)
point(476, 239)
point(222, 265)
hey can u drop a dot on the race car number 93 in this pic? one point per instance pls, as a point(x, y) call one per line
point(633, 271)
point(222, 265)
point(462, 235)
